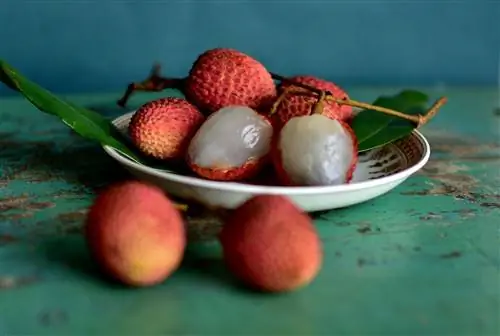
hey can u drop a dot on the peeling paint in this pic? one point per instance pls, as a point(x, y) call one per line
point(490, 205)
point(431, 216)
point(447, 178)
point(365, 229)
point(7, 239)
point(458, 145)
point(11, 282)
point(84, 165)
point(12, 202)
point(468, 150)
point(22, 206)
point(454, 254)
point(203, 224)
point(23, 203)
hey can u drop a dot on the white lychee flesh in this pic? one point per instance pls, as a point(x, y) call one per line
point(316, 150)
point(230, 137)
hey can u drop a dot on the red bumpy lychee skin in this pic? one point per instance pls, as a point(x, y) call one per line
point(222, 76)
point(221, 173)
point(271, 245)
point(163, 128)
point(282, 175)
point(135, 233)
point(302, 104)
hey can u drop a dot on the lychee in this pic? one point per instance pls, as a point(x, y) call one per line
point(271, 245)
point(163, 128)
point(301, 101)
point(135, 233)
point(315, 151)
point(232, 144)
point(222, 77)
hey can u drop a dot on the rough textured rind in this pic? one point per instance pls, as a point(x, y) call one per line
point(250, 169)
point(282, 175)
point(163, 128)
point(221, 77)
point(135, 234)
point(271, 245)
point(298, 105)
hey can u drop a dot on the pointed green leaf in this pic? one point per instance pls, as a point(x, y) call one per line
point(374, 129)
point(87, 123)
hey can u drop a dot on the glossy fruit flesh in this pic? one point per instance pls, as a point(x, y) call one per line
point(232, 138)
point(315, 150)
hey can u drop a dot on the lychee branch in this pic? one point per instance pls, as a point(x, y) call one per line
point(432, 111)
point(417, 119)
point(156, 83)
point(280, 99)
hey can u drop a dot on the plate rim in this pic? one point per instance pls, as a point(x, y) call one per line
point(239, 187)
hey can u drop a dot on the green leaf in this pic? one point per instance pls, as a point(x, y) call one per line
point(374, 129)
point(85, 122)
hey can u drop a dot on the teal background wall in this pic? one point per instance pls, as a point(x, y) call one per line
point(80, 45)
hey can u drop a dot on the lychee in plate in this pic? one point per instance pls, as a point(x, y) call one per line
point(378, 172)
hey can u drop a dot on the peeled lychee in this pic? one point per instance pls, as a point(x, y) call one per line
point(222, 77)
point(315, 151)
point(232, 144)
point(163, 128)
point(271, 245)
point(135, 234)
point(301, 103)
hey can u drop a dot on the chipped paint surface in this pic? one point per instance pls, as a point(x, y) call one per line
point(11, 282)
point(413, 256)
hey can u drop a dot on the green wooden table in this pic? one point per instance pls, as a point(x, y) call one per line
point(421, 260)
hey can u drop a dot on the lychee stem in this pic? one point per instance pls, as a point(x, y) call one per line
point(154, 82)
point(280, 99)
point(181, 207)
point(417, 119)
point(318, 107)
point(432, 111)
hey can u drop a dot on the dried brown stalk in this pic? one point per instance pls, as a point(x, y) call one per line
point(417, 119)
point(153, 83)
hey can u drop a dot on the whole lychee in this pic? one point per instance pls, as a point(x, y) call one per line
point(163, 128)
point(271, 245)
point(135, 234)
point(232, 144)
point(301, 102)
point(222, 77)
point(315, 151)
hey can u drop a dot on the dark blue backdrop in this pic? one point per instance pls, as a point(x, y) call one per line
point(77, 45)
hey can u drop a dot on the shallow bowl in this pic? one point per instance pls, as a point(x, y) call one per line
point(378, 172)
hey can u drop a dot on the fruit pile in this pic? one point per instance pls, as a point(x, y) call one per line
point(236, 121)
point(138, 237)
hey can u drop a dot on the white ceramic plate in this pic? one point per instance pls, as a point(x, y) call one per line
point(379, 171)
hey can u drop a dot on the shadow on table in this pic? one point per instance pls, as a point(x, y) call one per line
point(209, 266)
point(70, 254)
